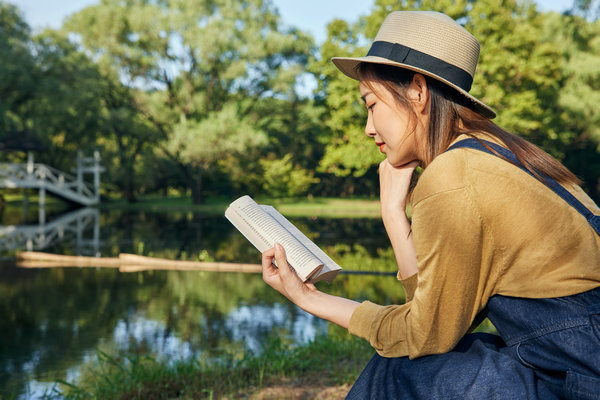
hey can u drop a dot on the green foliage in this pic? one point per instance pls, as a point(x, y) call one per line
point(181, 95)
point(387, 290)
point(517, 74)
point(282, 179)
point(539, 71)
point(324, 361)
point(55, 93)
point(590, 9)
point(220, 135)
point(578, 41)
point(347, 152)
point(208, 64)
point(17, 80)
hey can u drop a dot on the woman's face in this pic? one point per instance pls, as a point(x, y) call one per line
point(390, 124)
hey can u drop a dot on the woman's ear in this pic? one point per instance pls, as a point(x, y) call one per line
point(418, 92)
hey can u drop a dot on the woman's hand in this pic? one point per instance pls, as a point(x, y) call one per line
point(305, 295)
point(394, 185)
point(283, 278)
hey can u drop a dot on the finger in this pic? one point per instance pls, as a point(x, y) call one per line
point(411, 165)
point(268, 269)
point(267, 257)
point(281, 259)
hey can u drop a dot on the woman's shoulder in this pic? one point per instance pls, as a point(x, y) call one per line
point(446, 173)
point(468, 170)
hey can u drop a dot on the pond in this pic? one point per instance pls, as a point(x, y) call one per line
point(55, 320)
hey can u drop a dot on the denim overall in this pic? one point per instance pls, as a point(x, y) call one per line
point(546, 348)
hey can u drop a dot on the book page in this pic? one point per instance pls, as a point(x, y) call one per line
point(256, 238)
point(263, 231)
point(329, 266)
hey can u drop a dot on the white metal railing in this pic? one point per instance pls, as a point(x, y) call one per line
point(71, 226)
point(42, 176)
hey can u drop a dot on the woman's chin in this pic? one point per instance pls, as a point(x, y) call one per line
point(403, 163)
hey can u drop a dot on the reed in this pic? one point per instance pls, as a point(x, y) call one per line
point(323, 364)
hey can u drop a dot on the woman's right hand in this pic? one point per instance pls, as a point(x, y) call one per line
point(394, 185)
point(283, 278)
point(304, 294)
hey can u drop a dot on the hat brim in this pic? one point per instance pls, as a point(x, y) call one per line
point(349, 67)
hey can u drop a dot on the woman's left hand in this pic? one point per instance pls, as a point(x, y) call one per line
point(394, 185)
point(283, 278)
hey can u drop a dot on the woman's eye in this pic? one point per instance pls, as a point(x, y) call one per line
point(370, 108)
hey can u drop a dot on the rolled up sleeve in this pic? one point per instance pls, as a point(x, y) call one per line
point(452, 286)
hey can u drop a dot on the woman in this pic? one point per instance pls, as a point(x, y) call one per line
point(499, 229)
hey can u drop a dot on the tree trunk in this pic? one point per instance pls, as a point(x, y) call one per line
point(127, 182)
point(129, 189)
point(197, 195)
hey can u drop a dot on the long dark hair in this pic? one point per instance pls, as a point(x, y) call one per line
point(452, 115)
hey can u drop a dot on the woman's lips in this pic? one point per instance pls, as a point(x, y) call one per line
point(381, 146)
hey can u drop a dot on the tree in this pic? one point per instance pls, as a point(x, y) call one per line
point(345, 113)
point(201, 68)
point(578, 41)
point(66, 110)
point(589, 9)
point(50, 90)
point(531, 68)
point(17, 69)
point(126, 134)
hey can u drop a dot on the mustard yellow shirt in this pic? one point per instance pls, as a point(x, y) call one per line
point(481, 227)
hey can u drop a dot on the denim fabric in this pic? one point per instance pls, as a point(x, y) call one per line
point(558, 338)
point(547, 349)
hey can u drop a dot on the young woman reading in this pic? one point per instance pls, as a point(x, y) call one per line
point(499, 229)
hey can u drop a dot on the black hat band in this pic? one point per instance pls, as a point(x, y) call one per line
point(405, 55)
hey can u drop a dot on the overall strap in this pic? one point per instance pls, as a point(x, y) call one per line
point(594, 220)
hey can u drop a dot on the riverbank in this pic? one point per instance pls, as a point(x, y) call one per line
point(329, 207)
point(322, 369)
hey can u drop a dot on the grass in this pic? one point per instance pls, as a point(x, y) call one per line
point(326, 364)
point(298, 207)
point(329, 207)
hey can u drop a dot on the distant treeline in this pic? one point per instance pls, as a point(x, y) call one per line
point(205, 98)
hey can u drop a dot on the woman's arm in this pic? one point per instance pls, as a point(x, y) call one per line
point(394, 190)
point(305, 295)
point(394, 185)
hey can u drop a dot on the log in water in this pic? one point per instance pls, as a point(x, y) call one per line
point(128, 263)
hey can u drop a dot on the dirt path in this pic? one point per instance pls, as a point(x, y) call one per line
point(302, 393)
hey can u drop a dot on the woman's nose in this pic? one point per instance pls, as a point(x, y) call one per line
point(369, 127)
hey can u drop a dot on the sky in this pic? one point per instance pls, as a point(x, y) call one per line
point(308, 15)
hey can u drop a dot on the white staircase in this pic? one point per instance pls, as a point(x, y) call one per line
point(45, 178)
point(69, 226)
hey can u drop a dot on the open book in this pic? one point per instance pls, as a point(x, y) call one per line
point(264, 226)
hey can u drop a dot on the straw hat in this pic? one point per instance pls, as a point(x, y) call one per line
point(427, 42)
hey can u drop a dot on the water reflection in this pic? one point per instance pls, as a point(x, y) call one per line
point(251, 323)
point(80, 228)
point(55, 320)
point(140, 333)
point(175, 235)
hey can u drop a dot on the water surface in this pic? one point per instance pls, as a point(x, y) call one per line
point(55, 320)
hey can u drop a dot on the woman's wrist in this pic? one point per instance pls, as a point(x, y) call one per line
point(399, 229)
point(393, 216)
point(329, 307)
